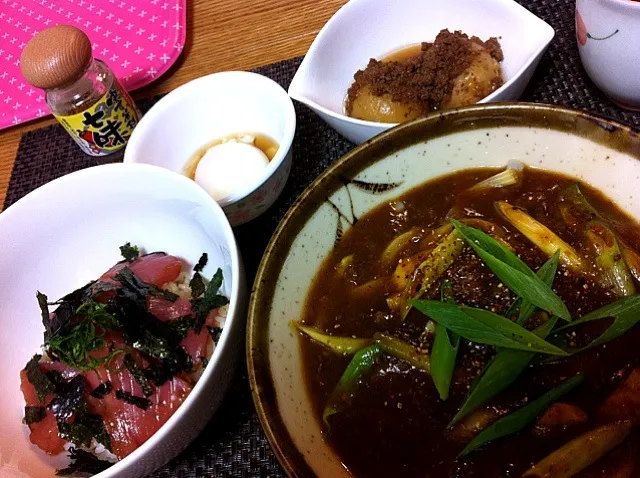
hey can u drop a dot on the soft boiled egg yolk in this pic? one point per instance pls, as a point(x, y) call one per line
point(230, 167)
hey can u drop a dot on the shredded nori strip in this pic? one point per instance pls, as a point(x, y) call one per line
point(155, 346)
point(173, 359)
point(95, 423)
point(83, 462)
point(56, 378)
point(33, 415)
point(75, 433)
point(44, 306)
point(85, 426)
point(139, 402)
point(127, 278)
point(38, 379)
point(68, 398)
point(102, 390)
point(138, 375)
point(148, 334)
point(129, 252)
point(182, 325)
point(205, 361)
point(211, 300)
point(204, 258)
point(62, 317)
point(196, 284)
point(101, 286)
point(215, 333)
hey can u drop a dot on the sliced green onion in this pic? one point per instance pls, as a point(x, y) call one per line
point(546, 273)
point(361, 363)
point(395, 247)
point(444, 350)
point(342, 266)
point(516, 421)
point(573, 457)
point(404, 351)
point(340, 345)
point(625, 312)
point(576, 210)
point(505, 367)
point(438, 261)
point(632, 259)
point(609, 258)
point(490, 228)
point(513, 272)
point(545, 239)
point(484, 327)
point(509, 177)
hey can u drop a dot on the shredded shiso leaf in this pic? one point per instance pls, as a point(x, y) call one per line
point(129, 253)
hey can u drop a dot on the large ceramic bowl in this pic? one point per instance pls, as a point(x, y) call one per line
point(67, 233)
point(364, 29)
point(600, 152)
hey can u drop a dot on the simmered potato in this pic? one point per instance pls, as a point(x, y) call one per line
point(479, 80)
point(383, 109)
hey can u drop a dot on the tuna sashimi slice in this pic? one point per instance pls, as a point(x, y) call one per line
point(166, 310)
point(44, 433)
point(129, 425)
point(196, 344)
point(156, 269)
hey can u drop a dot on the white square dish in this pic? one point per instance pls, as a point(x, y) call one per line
point(364, 29)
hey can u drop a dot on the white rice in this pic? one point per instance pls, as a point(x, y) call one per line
point(180, 286)
point(95, 448)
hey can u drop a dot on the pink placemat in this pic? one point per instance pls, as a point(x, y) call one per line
point(139, 40)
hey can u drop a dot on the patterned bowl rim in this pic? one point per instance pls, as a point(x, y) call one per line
point(605, 131)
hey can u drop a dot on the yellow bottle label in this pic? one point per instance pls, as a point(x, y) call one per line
point(106, 126)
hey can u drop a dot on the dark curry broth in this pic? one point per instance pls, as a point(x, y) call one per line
point(395, 423)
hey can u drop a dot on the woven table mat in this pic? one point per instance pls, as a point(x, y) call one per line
point(233, 443)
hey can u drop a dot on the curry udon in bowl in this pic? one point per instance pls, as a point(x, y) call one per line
point(462, 306)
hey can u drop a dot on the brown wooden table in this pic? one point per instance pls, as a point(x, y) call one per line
point(221, 35)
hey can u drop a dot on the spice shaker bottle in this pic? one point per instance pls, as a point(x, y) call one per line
point(82, 92)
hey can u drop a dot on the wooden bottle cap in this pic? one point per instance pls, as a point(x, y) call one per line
point(56, 57)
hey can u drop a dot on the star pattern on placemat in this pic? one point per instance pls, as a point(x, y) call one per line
point(138, 40)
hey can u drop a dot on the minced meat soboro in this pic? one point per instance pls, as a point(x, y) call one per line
point(454, 70)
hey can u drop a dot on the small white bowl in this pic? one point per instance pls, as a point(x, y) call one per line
point(67, 233)
point(607, 32)
point(215, 106)
point(364, 29)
